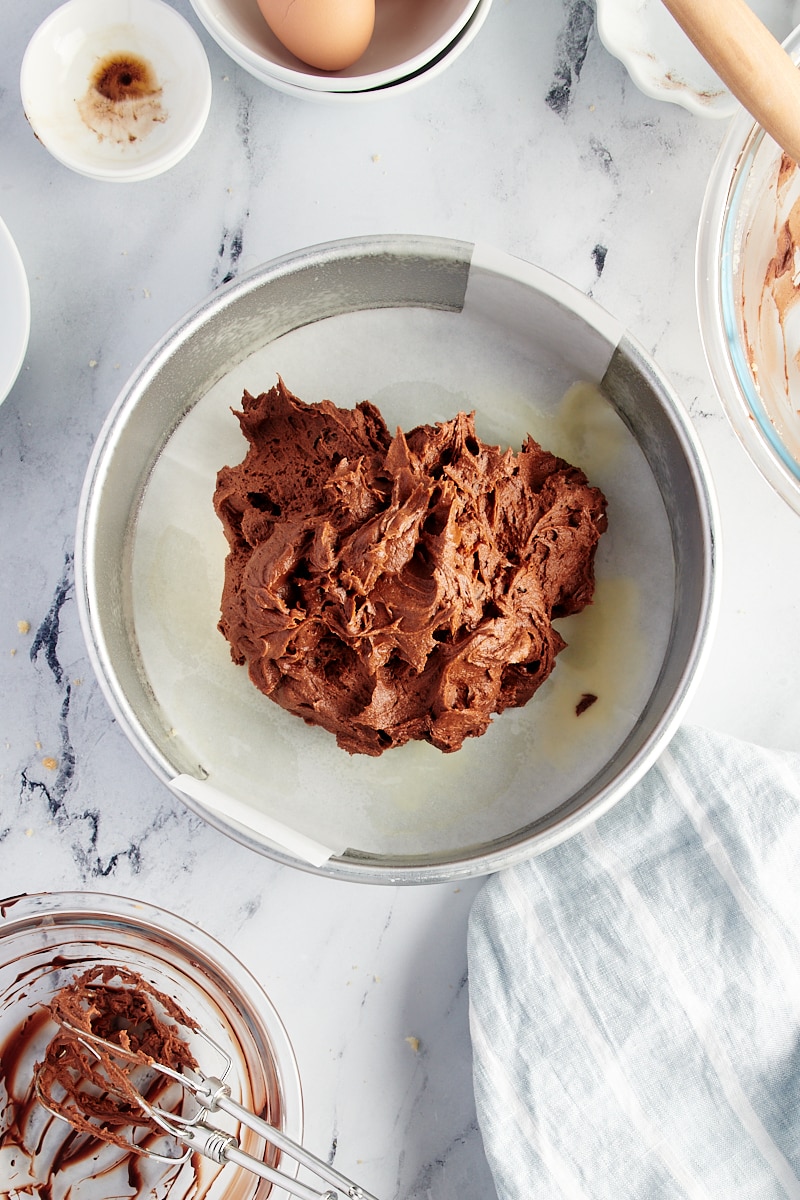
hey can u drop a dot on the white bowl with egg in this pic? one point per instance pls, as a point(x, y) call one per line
point(407, 36)
point(423, 327)
point(371, 95)
point(118, 90)
point(748, 293)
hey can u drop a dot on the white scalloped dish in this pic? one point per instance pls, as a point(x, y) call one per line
point(661, 59)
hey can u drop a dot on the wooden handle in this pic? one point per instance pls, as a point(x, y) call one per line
point(749, 61)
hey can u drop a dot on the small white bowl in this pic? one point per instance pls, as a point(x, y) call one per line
point(78, 84)
point(408, 35)
point(662, 61)
point(443, 60)
point(15, 312)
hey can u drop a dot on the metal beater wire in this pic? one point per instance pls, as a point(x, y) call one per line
point(196, 1134)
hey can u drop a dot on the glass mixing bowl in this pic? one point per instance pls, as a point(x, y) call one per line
point(48, 939)
point(748, 270)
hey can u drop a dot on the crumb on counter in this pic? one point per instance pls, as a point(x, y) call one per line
point(50, 763)
point(586, 701)
point(414, 1043)
point(23, 626)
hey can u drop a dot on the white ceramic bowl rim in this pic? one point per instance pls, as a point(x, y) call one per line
point(15, 311)
point(210, 14)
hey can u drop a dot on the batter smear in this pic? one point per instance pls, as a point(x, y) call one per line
point(91, 1088)
point(397, 588)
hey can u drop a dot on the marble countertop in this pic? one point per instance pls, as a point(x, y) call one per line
point(535, 141)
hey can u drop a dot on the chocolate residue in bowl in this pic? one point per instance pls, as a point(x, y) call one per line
point(123, 101)
point(768, 295)
point(86, 1129)
point(783, 271)
point(97, 1090)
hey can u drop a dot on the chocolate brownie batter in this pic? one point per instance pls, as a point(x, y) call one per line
point(396, 588)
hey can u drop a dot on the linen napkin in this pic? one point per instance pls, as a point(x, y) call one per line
point(635, 991)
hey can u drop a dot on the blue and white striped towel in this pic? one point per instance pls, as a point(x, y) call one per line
point(635, 992)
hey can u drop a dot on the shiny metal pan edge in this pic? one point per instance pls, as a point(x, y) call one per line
point(297, 290)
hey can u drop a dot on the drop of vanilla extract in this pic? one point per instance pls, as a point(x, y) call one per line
point(124, 77)
point(123, 101)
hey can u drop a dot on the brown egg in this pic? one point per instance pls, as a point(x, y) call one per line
point(328, 34)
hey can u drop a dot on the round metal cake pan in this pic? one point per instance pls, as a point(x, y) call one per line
point(309, 294)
